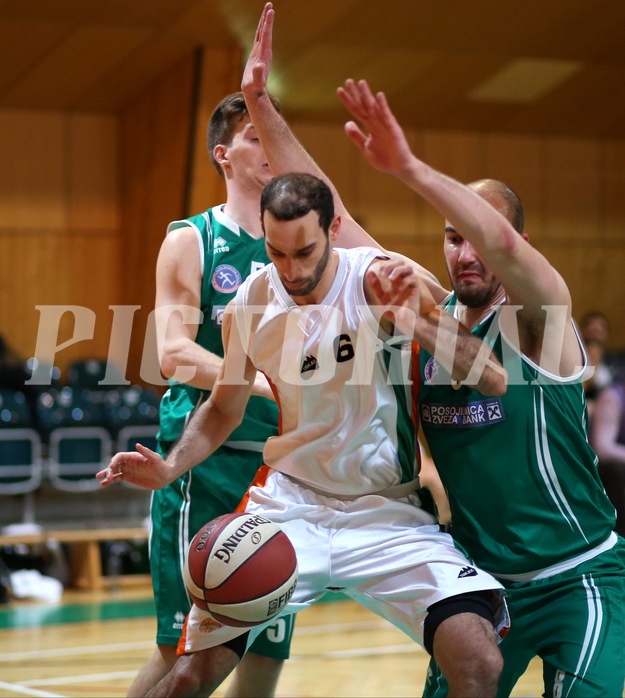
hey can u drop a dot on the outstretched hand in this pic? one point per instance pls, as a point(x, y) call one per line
point(143, 468)
point(256, 72)
point(383, 142)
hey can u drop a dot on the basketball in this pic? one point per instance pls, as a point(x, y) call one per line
point(241, 569)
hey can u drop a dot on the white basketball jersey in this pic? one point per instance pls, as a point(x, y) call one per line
point(343, 385)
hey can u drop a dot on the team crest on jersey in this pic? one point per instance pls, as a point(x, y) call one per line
point(430, 372)
point(226, 279)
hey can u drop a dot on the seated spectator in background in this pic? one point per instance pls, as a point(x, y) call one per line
point(607, 437)
point(601, 377)
point(594, 328)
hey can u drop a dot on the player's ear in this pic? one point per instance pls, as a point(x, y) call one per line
point(335, 227)
point(220, 153)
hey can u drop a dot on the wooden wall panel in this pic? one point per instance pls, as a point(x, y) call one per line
point(337, 157)
point(613, 191)
point(459, 155)
point(519, 162)
point(33, 172)
point(594, 274)
point(155, 143)
point(56, 269)
point(93, 165)
point(220, 75)
point(20, 283)
point(58, 169)
point(572, 190)
point(609, 292)
point(391, 211)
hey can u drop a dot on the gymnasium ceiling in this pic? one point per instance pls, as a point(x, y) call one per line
point(544, 67)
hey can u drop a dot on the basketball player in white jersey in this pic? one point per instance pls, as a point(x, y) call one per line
point(341, 478)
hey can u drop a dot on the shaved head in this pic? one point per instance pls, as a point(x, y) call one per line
point(503, 198)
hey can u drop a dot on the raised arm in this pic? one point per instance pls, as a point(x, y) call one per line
point(209, 427)
point(283, 150)
point(399, 297)
point(528, 278)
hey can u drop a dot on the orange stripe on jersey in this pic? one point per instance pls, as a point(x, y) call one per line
point(274, 390)
point(262, 473)
point(259, 480)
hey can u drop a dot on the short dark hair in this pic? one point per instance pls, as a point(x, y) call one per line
point(224, 120)
point(293, 195)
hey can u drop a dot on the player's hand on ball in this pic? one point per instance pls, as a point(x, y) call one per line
point(143, 468)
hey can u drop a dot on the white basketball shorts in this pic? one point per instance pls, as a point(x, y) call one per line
point(375, 550)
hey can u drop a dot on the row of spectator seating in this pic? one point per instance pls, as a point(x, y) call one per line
point(70, 434)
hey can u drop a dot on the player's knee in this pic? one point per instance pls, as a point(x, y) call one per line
point(188, 678)
point(200, 673)
point(486, 664)
point(459, 634)
point(477, 602)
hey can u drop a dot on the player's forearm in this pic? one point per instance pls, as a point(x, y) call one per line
point(467, 359)
point(206, 432)
point(283, 150)
point(471, 215)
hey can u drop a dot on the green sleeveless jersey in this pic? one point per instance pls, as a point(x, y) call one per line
point(228, 255)
point(521, 477)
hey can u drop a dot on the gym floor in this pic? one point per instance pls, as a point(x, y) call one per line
point(92, 643)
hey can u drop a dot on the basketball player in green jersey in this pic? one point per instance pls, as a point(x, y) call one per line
point(525, 496)
point(202, 262)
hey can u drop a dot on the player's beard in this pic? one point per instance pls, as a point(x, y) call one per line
point(315, 278)
point(472, 294)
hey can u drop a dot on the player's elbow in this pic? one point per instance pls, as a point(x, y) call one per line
point(168, 365)
point(173, 364)
point(234, 420)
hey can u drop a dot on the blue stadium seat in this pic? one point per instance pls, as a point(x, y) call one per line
point(88, 374)
point(79, 445)
point(20, 445)
point(132, 416)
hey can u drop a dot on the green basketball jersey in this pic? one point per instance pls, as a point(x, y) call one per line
point(228, 255)
point(521, 477)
